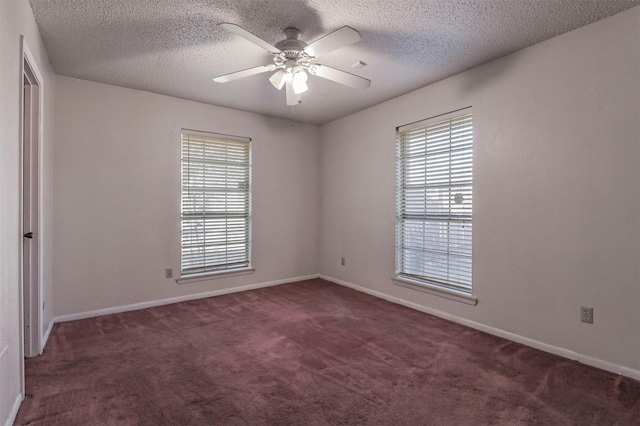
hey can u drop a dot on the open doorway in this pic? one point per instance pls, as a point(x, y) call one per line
point(31, 136)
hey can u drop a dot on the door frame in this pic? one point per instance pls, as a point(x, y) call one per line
point(31, 328)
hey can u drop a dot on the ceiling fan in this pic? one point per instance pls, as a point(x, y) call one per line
point(293, 58)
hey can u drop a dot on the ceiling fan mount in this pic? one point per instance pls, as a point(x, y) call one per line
point(293, 58)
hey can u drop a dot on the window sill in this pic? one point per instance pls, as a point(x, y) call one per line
point(458, 296)
point(213, 275)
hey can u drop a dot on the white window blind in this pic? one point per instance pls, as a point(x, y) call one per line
point(216, 203)
point(434, 201)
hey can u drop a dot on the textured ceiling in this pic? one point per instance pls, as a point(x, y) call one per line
point(175, 47)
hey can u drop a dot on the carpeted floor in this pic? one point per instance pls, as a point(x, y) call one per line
point(309, 353)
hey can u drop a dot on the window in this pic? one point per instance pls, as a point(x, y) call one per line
point(434, 202)
point(216, 203)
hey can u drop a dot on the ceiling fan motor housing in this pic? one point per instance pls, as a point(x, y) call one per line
point(292, 46)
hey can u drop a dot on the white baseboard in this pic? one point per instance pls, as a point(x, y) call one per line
point(556, 350)
point(150, 304)
point(14, 410)
point(45, 336)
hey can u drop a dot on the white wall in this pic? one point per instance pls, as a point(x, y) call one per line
point(557, 192)
point(117, 192)
point(16, 19)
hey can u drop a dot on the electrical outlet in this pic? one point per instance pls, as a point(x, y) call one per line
point(168, 273)
point(586, 314)
point(342, 261)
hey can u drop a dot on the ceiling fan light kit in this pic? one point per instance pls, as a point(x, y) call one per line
point(293, 58)
point(299, 80)
point(278, 79)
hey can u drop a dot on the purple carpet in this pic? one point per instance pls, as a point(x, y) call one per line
point(308, 353)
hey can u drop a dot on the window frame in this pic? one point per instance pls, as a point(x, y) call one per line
point(432, 214)
point(232, 169)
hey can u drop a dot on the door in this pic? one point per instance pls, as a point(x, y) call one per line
point(31, 289)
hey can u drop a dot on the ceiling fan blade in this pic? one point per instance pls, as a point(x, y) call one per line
point(236, 29)
point(339, 38)
point(244, 73)
point(338, 76)
point(292, 98)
